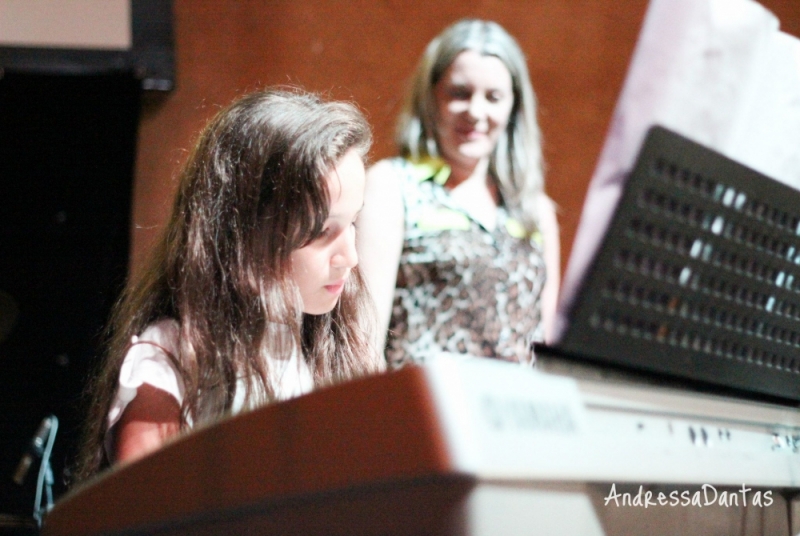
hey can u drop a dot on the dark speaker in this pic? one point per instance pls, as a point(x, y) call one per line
point(67, 151)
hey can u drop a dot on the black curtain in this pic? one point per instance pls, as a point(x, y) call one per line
point(67, 151)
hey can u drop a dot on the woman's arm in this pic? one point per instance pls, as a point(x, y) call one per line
point(552, 260)
point(380, 240)
point(152, 417)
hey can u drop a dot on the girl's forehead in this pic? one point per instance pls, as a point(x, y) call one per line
point(345, 183)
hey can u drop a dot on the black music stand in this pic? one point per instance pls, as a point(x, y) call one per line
point(698, 275)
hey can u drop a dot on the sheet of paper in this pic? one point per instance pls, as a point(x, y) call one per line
point(719, 72)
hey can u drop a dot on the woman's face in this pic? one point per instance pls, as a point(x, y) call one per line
point(321, 268)
point(473, 103)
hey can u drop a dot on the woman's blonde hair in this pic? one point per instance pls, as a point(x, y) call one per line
point(516, 163)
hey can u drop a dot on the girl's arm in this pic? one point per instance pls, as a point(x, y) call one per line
point(552, 260)
point(380, 240)
point(148, 421)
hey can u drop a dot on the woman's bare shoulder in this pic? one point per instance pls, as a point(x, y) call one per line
point(386, 167)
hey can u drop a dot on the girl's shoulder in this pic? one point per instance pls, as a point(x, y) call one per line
point(151, 358)
point(164, 332)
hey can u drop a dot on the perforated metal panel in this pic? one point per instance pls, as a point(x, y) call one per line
point(698, 275)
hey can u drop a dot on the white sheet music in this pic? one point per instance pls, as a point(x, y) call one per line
point(716, 71)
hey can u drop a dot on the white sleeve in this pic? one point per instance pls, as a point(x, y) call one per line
point(147, 362)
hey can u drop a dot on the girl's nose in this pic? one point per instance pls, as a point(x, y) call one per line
point(346, 255)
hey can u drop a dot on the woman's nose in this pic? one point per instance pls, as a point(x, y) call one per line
point(476, 107)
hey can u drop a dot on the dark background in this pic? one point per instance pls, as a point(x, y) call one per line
point(66, 166)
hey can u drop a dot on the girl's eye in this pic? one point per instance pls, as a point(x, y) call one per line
point(330, 232)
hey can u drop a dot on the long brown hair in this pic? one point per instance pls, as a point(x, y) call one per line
point(251, 192)
point(516, 163)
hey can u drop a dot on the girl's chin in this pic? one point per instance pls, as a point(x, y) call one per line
point(321, 307)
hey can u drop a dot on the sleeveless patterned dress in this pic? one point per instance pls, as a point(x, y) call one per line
point(461, 287)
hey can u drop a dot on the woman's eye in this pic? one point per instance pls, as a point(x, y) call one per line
point(459, 93)
point(494, 96)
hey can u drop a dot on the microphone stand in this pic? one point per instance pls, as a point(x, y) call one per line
point(45, 481)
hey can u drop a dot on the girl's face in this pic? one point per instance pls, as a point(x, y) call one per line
point(473, 103)
point(321, 268)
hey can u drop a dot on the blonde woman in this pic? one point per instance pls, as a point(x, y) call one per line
point(458, 241)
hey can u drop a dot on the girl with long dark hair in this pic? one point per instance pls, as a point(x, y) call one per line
point(253, 294)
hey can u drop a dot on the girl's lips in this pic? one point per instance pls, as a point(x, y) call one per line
point(335, 288)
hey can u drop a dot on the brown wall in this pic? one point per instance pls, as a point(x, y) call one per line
point(364, 50)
